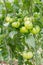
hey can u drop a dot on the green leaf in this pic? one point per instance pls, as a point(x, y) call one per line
point(37, 1)
point(30, 41)
point(12, 33)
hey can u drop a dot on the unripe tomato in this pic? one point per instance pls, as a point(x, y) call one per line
point(37, 29)
point(8, 19)
point(29, 19)
point(27, 55)
point(0, 49)
point(23, 30)
point(15, 24)
point(34, 31)
point(28, 25)
point(30, 55)
point(26, 19)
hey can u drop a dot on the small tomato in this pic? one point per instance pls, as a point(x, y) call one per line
point(8, 19)
point(23, 30)
point(24, 55)
point(27, 55)
point(15, 24)
point(28, 25)
point(37, 29)
point(34, 31)
point(30, 55)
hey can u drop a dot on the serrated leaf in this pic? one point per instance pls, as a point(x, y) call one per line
point(30, 41)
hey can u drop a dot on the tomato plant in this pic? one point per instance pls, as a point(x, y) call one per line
point(21, 32)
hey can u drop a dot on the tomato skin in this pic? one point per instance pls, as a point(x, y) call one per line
point(26, 19)
point(15, 24)
point(24, 55)
point(27, 55)
point(30, 55)
point(8, 19)
point(36, 30)
point(28, 25)
point(23, 30)
point(29, 19)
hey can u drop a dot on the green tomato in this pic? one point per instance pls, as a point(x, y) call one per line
point(28, 25)
point(26, 19)
point(37, 29)
point(27, 55)
point(15, 24)
point(0, 49)
point(34, 31)
point(23, 30)
point(8, 19)
point(29, 19)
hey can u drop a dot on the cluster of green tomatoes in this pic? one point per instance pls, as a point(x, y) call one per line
point(26, 25)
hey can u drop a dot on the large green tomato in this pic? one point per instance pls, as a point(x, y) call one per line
point(23, 30)
point(15, 24)
point(27, 55)
point(30, 55)
point(8, 19)
point(28, 25)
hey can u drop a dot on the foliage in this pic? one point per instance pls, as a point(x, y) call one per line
point(21, 31)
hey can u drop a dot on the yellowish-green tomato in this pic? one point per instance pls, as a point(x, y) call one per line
point(15, 24)
point(29, 19)
point(23, 30)
point(26, 19)
point(37, 29)
point(34, 31)
point(28, 25)
point(0, 49)
point(25, 55)
point(8, 19)
point(29, 55)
